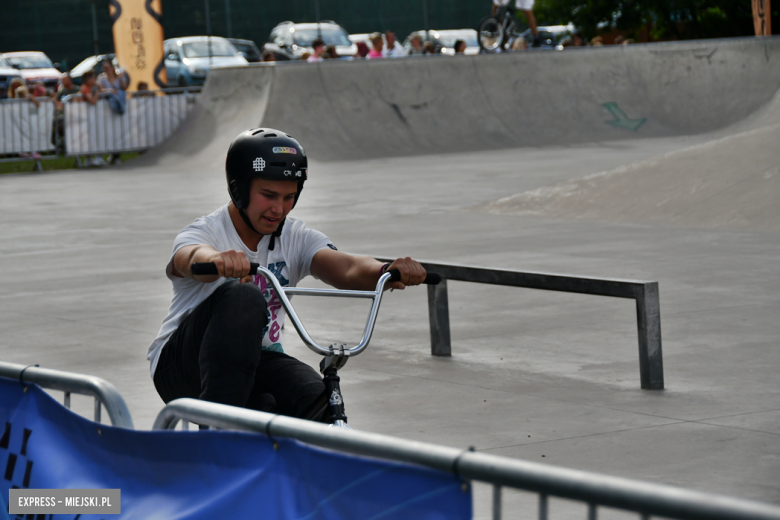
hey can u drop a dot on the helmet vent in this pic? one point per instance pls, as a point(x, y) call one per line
point(270, 135)
point(279, 164)
point(258, 131)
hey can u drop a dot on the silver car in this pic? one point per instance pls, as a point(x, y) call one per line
point(189, 59)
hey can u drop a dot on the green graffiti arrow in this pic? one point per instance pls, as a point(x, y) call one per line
point(621, 119)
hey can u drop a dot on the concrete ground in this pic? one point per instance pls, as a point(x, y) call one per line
point(547, 377)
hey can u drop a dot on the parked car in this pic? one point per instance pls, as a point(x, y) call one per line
point(189, 59)
point(364, 37)
point(7, 74)
point(248, 49)
point(445, 40)
point(550, 36)
point(93, 63)
point(288, 40)
point(35, 67)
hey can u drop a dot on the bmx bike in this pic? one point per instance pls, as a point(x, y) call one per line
point(335, 356)
point(495, 31)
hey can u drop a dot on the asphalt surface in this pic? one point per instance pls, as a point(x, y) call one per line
point(547, 377)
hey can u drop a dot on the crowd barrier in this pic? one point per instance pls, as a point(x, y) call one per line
point(35, 132)
point(359, 474)
point(148, 120)
point(26, 128)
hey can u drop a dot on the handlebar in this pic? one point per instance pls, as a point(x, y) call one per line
point(209, 268)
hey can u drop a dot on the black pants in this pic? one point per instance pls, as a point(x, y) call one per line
point(215, 356)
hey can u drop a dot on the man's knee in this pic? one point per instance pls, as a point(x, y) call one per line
point(242, 301)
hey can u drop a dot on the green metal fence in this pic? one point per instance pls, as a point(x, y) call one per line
point(64, 29)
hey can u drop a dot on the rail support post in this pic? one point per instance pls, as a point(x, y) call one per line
point(648, 317)
point(439, 318)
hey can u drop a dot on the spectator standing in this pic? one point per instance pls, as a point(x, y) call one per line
point(460, 47)
point(416, 45)
point(392, 50)
point(65, 89)
point(268, 56)
point(520, 44)
point(362, 50)
point(318, 47)
point(90, 93)
point(430, 48)
point(89, 88)
point(114, 86)
point(377, 44)
point(331, 52)
point(18, 90)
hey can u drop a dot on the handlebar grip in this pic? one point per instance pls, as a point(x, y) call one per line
point(430, 278)
point(206, 268)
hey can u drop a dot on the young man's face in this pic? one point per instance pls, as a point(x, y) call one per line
point(269, 203)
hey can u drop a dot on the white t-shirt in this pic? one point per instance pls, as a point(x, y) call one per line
point(522, 5)
point(290, 261)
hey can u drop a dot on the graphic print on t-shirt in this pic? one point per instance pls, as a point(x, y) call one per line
point(272, 331)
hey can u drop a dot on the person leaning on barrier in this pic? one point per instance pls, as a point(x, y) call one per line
point(221, 340)
point(65, 89)
point(18, 90)
point(113, 86)
point(89, 89)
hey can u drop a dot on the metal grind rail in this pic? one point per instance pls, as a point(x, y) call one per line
point(70, 383)
point(593, 489)
point(648, 311)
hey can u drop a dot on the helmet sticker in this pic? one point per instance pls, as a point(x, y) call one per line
point(259, 164)
point(285, 149)
point(287, 173)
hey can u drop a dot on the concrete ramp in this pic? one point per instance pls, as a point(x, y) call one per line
point(430, 105)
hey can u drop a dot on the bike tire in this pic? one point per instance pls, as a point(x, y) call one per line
point(490, 34)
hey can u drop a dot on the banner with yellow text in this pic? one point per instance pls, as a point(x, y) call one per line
point(762, 17)
point(138, 42)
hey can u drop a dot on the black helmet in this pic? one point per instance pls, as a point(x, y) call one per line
point(263, 153)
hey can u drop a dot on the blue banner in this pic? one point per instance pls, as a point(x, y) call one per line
point(207, 474)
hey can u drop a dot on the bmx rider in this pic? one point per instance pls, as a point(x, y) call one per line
point(527, 7)
point(221, 340)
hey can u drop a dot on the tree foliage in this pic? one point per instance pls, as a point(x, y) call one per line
point(664, 19)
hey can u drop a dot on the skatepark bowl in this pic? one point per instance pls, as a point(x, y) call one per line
point(656, 163)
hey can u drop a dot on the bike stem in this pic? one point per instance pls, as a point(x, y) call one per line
point(329, 366)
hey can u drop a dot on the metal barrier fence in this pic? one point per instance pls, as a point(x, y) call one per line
point(148, 120)
point(593, 489)
point(26, 129)
point(648, 310)
point(42, 132)
point(70, 383)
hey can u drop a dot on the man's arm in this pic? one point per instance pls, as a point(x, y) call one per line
point(345, 271)
point(230, 264)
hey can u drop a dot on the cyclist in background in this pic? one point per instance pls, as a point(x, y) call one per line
point(527, 7)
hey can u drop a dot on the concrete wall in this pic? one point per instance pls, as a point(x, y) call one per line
point(382, 108)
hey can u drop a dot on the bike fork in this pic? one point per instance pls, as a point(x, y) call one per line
point(329, 366)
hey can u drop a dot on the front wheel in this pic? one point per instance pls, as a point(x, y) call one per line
point(490, 34)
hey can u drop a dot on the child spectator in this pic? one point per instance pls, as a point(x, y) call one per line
point(377, 43)
point(89, 89)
